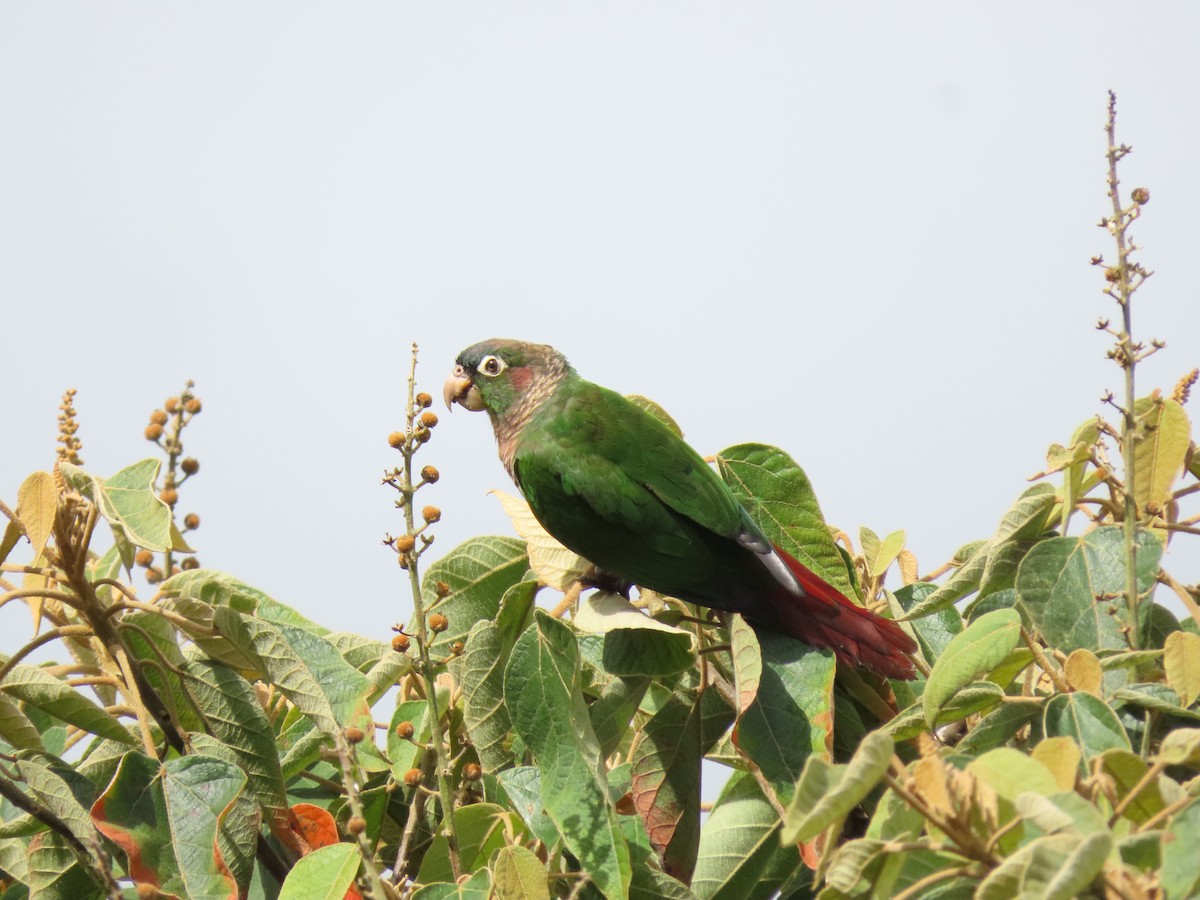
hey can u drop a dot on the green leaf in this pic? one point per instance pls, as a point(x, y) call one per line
point(826, 794)
point(740, 857)
point(478, 572)
point(541, 690)
point(523, 785)
point(1160, 446)
point(1011, 773)
point(1126, 769)
point(234, 716)
point(517, 874)
point(973, 698)
point(980, 648)
point(151, 641)
point(791, 718)
point(1180, 747)
point(634, 643)
point(1180, 876)
point(215, 588)
point(324, 874)
point(210, 834)
point(128, 502)
point(780, 499)
point(1088, 720)
point(405, 755)
point(16, 727)
point(34, 687)
point(57, 787)
point(132, 813)
point(992, 561)
point(480, 671)
point(665, 774)
point(1054, 867)
point(934, 631)
point(37, 504)
point(888, 549)
point(963, 581)
point(56, 874)
point(481, 829)
point(304, 666)
point(1061, 578)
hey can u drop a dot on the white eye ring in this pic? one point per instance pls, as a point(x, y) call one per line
point(492, 366)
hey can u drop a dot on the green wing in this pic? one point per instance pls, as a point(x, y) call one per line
point(617, 486)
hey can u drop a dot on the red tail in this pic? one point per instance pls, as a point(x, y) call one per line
point(824, 617)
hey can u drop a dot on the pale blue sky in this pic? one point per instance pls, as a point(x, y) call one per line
point(858, 231)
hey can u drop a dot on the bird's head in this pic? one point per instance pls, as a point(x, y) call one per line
point(497, 374)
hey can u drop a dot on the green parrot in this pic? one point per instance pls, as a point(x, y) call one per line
point(615, 485)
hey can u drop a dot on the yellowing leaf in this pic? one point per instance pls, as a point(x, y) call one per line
point(37, 502)
point(1083, 671)
point(554, 565)
point(1061, 756)
point(31, 581)
point(1181, 660)
point(12, 534)
point(604, 611)
point(1163, 435)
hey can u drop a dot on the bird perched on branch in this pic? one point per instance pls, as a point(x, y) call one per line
point(617, 486)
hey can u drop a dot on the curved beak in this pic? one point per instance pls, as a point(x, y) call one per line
point(459, 388)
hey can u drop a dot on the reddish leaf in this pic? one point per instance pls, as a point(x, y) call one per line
point(316, 826)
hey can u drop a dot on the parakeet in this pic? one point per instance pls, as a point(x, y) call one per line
point(617, 486)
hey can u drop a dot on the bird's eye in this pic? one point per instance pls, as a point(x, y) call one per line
point(491, 365)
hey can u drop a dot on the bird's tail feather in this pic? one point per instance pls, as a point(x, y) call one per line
point(824, 617)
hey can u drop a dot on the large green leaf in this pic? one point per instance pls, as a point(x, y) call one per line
point(1088, 720)
point(989, 566)
point(234, 716)
point(213, 838)
point(1180, 874)
point(35, 687)
point(541, 690)
point(220, 589)
point(55, 873)
point(780, 499)
point(983, 646)
point(128, 502)
point(480, 671)
point(324, 874)
point(481, 829)
point(478, 572)
point(517, 874)
point(740, 856)
point(1069, 584)
point(791, 718)
point(827, 793)
point(304, 666)
point(57, 787)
